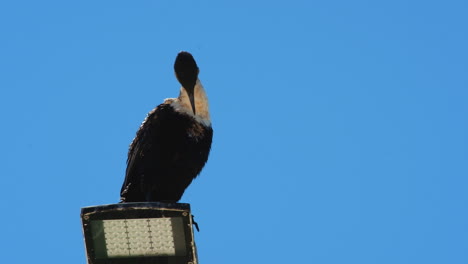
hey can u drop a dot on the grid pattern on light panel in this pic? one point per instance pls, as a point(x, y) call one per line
point(140, 237)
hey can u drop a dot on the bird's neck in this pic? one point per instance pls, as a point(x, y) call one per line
point(182, 104)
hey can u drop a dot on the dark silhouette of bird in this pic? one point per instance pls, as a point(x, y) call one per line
point(172, 144)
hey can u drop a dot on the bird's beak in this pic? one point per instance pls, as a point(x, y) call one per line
point(191, 95)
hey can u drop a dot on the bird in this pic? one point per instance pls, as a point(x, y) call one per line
point(173, 143)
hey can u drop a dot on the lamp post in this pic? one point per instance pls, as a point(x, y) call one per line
point(139, 233)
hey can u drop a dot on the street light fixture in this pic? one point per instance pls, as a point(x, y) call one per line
point(139, 233)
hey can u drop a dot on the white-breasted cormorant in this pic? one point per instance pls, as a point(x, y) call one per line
point(173, 142)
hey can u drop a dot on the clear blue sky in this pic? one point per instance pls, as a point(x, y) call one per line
point(340, 126)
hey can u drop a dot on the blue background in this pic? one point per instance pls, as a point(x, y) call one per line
point(340, 126)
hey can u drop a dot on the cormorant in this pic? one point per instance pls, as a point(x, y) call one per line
point(173, 142)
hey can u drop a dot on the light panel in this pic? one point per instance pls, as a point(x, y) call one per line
point(138, 237)
point(142, 232)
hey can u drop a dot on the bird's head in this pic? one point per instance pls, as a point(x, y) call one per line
point(186, 71)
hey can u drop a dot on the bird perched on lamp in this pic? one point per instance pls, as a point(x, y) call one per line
point(172, 144)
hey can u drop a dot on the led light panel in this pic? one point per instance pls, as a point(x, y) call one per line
point(138, 237)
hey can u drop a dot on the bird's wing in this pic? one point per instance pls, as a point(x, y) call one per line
point(146, 137)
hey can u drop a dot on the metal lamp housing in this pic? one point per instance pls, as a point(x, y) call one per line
point(139, 233)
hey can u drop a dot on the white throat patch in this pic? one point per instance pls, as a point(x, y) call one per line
point(182, 104)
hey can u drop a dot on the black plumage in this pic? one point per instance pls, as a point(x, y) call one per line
point(173, 143)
